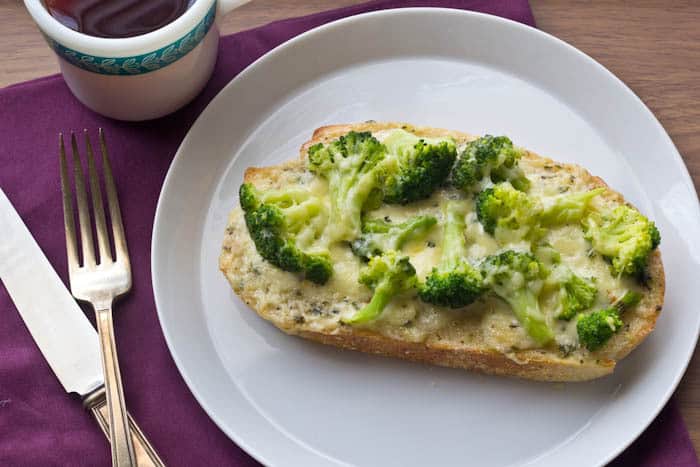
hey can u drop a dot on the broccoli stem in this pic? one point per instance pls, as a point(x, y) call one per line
point(299, 215)
point(417, 227)
point(454, 246)
point(285, 198)
point(527, 310)
point(565, 209)
point(381, 298)
point(349, 194)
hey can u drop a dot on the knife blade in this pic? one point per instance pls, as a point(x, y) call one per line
point(63, 333)
point(58, 325)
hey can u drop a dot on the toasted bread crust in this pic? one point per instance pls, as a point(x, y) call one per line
point(537, 364)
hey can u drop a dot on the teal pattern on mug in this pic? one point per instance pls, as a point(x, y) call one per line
point(139, 64)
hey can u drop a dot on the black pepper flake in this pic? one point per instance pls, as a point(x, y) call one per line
point(387, 219)
point(430, 244)
point(513, 326)
point(335, 312)
point(566, 350)
point(299, 319)
point(658, 307)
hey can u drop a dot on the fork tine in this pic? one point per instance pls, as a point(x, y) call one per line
point(98, 206)
point(83, 213)
point(68, 219)
point(121, 253)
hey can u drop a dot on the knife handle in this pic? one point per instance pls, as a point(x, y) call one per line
point(146, 456)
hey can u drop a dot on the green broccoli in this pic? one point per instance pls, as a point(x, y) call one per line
point(282, 225)
point(387, 275)
point(628, 300)
point(489, 158)
point(575, 293)
point(517, 278)
point(415, 166)
point(623, 236)
point(596, 328)
point(506, 213)
point(379, 235)
point(350, 164)
point(454, 283)
point(547, 255)
point(567, 208)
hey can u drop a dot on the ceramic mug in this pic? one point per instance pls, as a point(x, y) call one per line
point(141, 77)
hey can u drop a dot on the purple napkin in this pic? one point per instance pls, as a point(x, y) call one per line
point(39, 424)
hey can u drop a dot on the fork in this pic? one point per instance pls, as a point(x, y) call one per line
point(99, 279)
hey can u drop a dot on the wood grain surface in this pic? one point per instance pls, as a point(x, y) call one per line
point(653, 46)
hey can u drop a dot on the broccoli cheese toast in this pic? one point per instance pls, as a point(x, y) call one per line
point(437, 246)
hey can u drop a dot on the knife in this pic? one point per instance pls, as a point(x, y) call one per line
point(59, 327)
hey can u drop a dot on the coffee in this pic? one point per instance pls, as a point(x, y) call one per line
point(116, 18)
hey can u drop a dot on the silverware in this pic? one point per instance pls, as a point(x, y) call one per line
point(98, 280)
point(60, 329)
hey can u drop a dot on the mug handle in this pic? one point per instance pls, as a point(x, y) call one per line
point(227, 5)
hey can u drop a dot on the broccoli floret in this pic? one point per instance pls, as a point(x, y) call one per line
point(506, 213)
point(517, 278)
point(282, 224)
point(454, 282)
point(379, 235)
point(596, 328)
point(415, 166)
point(489, 158)
point(577, 294)
point(350, 164)
point(623, 236)
point(387, 275)
point(567, 208)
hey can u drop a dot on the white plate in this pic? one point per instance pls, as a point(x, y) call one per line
point(291, 402)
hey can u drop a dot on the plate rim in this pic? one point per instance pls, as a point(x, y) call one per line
point(157, 222)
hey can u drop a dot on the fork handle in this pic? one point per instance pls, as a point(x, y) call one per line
point(122, 448)
point(146, 456)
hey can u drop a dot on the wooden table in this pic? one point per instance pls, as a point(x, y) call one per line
point(652, 46)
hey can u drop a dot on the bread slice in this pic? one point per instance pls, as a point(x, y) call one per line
point(311, 311)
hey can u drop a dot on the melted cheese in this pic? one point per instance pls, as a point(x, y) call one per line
point(488, 322)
